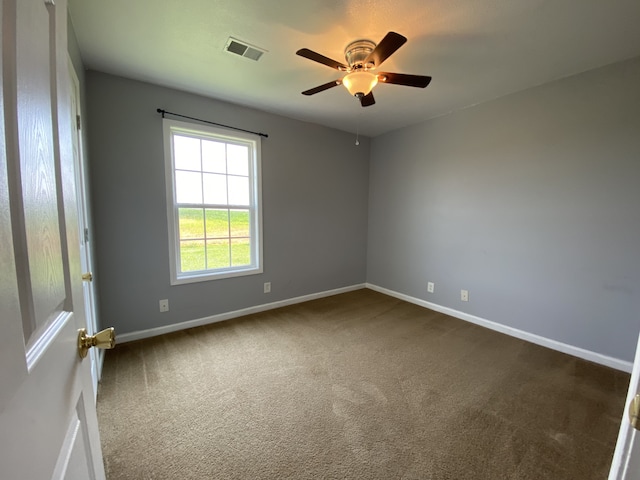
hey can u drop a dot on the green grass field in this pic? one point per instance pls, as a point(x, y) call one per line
point(226, 242)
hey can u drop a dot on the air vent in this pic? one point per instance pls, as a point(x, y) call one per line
point(243, 49)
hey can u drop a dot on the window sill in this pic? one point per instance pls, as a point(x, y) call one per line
point(207, 276)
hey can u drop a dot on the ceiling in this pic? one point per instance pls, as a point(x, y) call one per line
point(475, 50)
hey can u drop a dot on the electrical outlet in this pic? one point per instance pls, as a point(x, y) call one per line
point(430, 287)
point(267, 287)
point(464, 295)
point(164, 305)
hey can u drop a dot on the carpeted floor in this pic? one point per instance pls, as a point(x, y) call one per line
point(355, 386)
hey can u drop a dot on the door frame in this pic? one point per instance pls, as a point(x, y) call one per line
point(625, 461)
point(96, 357)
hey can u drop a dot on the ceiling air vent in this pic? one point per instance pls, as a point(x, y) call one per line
point(243, 49)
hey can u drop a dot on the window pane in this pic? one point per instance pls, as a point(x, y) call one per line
point(213, 157)
point(238, 159)
point(218, 253)
point(186, 151)
point(239, 220)
point(215, 189)
point(238, 190)
point(192, 256)
point(191, 223)
point(240, 252)
point(188, 187)
point(217, 223)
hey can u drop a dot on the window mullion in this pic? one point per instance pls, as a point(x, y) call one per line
point(226, 179)
point(204, 218)
point(211, 205)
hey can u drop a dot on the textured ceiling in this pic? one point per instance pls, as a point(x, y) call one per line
point(475, 50)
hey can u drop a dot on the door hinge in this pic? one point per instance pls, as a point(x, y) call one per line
point(78, 122)
point(86, 235)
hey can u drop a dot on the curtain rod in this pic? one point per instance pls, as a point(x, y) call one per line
point(164, 112)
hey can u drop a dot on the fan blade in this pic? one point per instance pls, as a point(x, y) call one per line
point(419, 81)
point(316, 57)
point(387, 46)
point(367, 100)
point(322, 88)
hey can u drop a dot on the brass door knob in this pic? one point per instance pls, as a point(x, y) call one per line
point(104, 339)
point(634, 412)
point(87, 277)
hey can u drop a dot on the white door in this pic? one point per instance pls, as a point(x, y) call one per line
point(48, 425)
point(626, 458)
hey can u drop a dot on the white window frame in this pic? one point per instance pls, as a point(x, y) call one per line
point(255, 179)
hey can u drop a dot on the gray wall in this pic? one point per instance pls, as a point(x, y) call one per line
point(314, 192)
point(531, 202)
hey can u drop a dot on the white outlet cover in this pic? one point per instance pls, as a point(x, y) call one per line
point(464, 295)
point(430, 287)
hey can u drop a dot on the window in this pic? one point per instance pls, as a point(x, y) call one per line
point(213, 202)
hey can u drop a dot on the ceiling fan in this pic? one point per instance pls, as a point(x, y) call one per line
point(362, 57)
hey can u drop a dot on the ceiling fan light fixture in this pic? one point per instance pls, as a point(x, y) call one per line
point(362, 57)
point(360, 83)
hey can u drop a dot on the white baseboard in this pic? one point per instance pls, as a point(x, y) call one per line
point(152, 332)
point(612, 362)
point(616, 363)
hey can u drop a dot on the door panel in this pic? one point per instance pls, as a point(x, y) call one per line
point(48, 425)
point(72, 463)
point(44, 303)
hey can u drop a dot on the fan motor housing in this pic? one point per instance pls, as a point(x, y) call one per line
point(357, 52)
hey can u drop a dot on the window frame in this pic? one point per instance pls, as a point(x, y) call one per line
point(171, 127)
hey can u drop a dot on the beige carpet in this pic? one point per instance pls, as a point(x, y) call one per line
point(355, 386)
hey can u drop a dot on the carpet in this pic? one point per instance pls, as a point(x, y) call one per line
point(354, 386)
